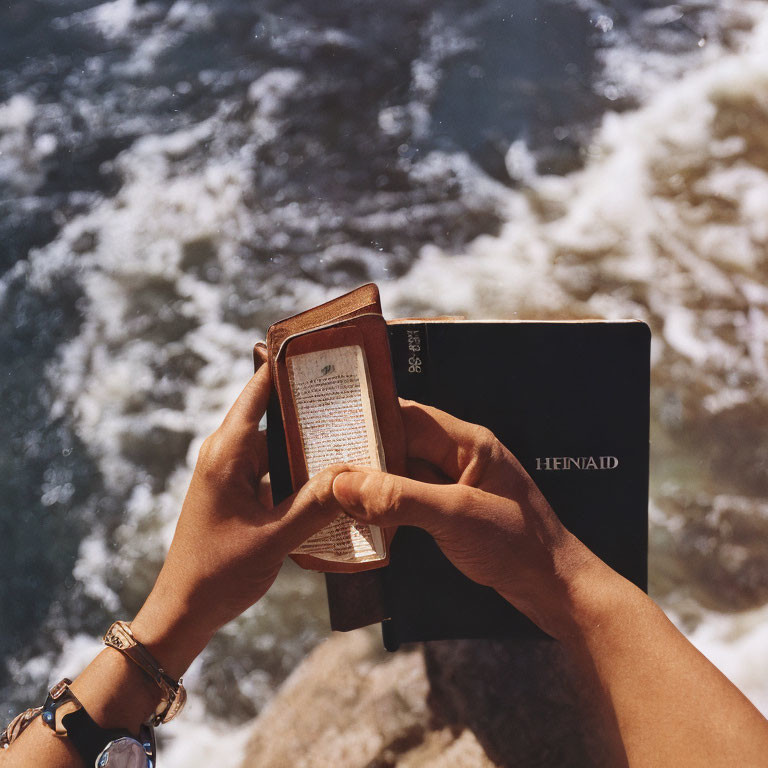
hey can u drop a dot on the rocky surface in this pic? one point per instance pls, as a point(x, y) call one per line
point(458, 704)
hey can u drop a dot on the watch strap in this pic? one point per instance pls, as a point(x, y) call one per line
point(65, 716)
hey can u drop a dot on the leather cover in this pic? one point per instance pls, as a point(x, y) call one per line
point(352, 319)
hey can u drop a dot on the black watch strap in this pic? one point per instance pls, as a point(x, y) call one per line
point(88, 738)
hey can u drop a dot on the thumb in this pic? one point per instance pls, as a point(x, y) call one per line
point(388, 500)
point(308, 510)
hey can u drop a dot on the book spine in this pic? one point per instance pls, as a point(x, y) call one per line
point(410, 360)
point(409, 344)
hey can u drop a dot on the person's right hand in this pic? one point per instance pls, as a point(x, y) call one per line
point(482, 508)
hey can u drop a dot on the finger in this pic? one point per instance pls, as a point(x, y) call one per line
point(264, 491)
point(388, 500)
point(260, 453)
point(304, 513)
point(260, 355)
point(441, 439)
point(418, 469)
point(252, 401)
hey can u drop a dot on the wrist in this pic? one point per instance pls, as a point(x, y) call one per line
point(596, 597)
point(115, 692)
point(171, 634)
point(555, 599)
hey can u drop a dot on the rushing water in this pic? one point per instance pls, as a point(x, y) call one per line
point(176, 176)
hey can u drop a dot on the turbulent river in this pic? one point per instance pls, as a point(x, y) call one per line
point(174, 176)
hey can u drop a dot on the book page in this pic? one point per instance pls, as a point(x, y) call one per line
point(337, 422)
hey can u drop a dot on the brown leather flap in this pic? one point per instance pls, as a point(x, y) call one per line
point(360, 301)
point(353, 319)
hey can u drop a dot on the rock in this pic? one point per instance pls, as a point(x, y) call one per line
point(347, 704)
point(525, 702)
point(451, 704)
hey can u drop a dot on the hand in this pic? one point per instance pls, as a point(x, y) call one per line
point(482, 508)
point(230, 541)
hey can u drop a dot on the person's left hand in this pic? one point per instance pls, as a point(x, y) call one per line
point(230, 541)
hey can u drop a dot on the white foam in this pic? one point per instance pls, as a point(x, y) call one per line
point(114, 18)
point(520, 162)
point(680, 334)
point(17, 112)
point(736, 644)
point(20, 154)
point(197, 740)
point(270, 90)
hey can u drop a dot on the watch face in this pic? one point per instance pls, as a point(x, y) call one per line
point(123, 753)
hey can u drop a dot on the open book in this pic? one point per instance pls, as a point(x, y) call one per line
point(337, 421)
point(337, 402)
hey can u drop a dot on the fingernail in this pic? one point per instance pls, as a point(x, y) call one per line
point(346, 490)
point(260, 355)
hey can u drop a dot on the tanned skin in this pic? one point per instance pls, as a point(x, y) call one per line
point(664, 703)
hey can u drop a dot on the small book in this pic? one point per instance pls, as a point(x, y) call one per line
point(570, 400)
point(337, 403)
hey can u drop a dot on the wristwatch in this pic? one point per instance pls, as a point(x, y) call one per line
point(126, 752)
point(114, 747)
point(106, 747)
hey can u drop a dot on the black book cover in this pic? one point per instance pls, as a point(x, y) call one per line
point(571, 401)
point(557, 394)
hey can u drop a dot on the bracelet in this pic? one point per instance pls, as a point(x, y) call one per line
point(67, 718)
point(120, 637)
point(17, 726)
